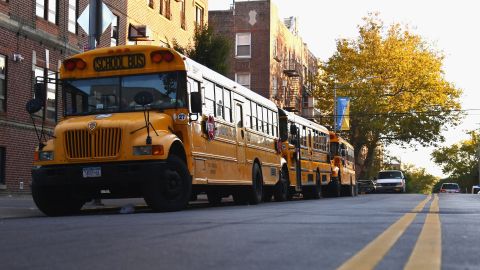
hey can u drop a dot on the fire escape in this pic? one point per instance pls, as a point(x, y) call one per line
point(292, 69)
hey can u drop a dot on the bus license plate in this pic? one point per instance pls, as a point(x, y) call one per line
point(92, 172)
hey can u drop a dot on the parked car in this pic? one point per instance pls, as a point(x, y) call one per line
point(450, 188)
point(391, 180)
point(366, 186)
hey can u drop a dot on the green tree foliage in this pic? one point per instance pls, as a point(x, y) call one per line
point(418, 180)
point(396, 85)
point(460, 161)
point(208, 49)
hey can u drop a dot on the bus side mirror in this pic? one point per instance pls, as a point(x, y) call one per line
point(196, 102)
point(33, 106)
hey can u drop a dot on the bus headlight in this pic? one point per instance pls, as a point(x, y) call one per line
point(148, 150)
point(44, 156)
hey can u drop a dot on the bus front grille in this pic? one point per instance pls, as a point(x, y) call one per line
point(103, 143)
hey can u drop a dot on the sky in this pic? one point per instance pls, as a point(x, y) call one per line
point(450, 26)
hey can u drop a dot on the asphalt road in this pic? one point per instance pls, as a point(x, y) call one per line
point(377, 231)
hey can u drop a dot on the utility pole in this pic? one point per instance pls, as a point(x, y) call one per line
point(94, 22)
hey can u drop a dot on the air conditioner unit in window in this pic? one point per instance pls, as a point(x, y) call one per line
point(138, 33)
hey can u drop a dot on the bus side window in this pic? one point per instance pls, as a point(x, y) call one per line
point(209, 98)
point(228, 107)
point(239, 115)
point(219, 102)
point(248, 114)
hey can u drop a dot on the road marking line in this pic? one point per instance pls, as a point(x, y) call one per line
point(373, 252)
point(427, 253)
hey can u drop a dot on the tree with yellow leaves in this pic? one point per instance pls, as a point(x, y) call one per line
point(397, 89)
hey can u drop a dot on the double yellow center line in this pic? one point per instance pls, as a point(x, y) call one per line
point(426, 253)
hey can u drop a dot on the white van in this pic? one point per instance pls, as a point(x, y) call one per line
point(390, 181)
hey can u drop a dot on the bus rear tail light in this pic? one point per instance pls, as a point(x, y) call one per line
point(159, 56)
point(74, 63)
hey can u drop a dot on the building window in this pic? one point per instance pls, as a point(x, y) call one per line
point(165, 8)
point(150, 3)
point(50, 106)
point(72, 16)
point(40, 8)
point(49, 13)
point(199, 15)
point(274, 86)
point(243, 47)
point(243, 79)
point(3, 166)
point(114, 32)
point(50, 98)
point(3, 84)
point(182, 16)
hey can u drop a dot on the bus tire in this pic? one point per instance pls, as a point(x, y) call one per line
point(55, 201)
point(280, 192)
point(256, 190)
point(348, 190)
point(172, 192)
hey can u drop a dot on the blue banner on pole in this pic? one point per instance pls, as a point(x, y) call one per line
point(342, 113)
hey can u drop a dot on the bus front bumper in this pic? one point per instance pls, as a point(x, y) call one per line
point(106, 180)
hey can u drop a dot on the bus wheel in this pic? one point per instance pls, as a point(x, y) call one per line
point(55, 201)
point(256, 190)
point(280, 192)
point(214, 198)
point(172, 192)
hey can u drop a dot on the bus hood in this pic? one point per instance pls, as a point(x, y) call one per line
point(128, 122)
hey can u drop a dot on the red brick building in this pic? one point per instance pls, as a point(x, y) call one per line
point(37, 35)
point(269, 56)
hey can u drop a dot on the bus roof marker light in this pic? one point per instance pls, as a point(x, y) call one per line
point(80, 64)
point(168, 56)
point(69, 64)
point(156, 57)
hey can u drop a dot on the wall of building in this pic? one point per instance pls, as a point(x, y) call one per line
point(275, 48)
point(44, 44)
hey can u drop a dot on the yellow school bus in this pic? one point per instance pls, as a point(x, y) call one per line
point(145, 121)
point(343, 167)
point(306, 155)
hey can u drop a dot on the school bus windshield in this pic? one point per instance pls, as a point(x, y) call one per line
point(116, 94)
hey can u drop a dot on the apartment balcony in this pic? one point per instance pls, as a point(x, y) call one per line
point(292, 69)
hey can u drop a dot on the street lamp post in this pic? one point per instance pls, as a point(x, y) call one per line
point(334, 108)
